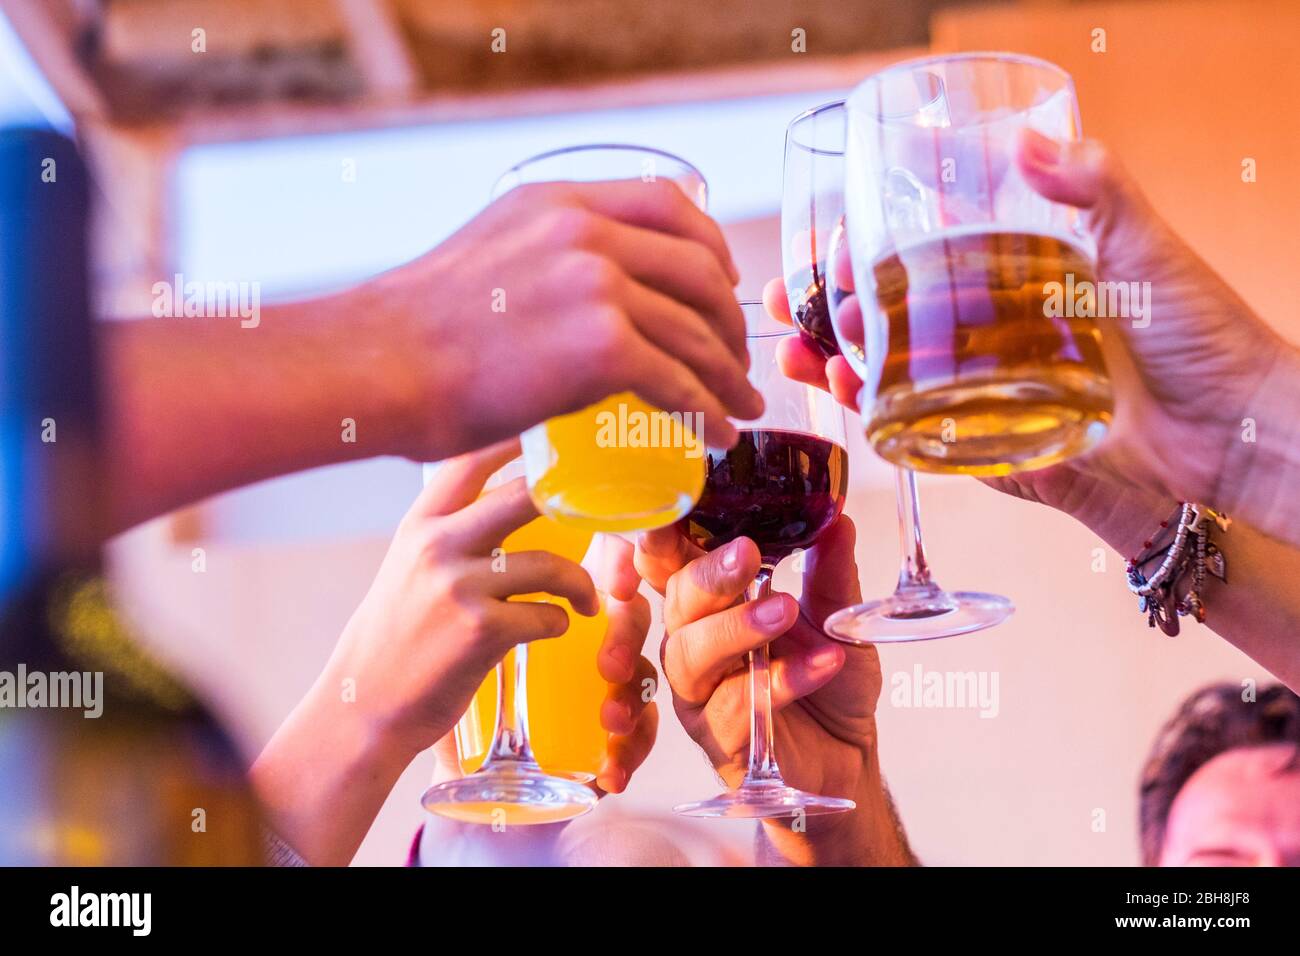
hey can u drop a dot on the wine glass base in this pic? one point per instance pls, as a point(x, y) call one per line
point(764, 802)
point(514, 796)
point(921, 617)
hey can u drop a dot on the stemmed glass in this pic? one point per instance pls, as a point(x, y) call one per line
point(819, 285)
point(782, 485)
point(511, 787)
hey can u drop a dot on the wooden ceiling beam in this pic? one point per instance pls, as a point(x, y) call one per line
point(379, 48)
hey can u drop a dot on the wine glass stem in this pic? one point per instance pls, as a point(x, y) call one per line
point(915, 572)
point(762, 743)
point(510, 738)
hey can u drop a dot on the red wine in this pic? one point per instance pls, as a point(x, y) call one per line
point(810, 310)
point(780, 488)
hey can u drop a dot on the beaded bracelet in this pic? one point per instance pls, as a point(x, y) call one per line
point(1190, 551)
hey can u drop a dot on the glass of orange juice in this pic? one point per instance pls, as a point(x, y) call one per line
point(531, 738)
point(619, 465)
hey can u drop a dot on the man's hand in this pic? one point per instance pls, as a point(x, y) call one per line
point(823, 693)
point(575, 291)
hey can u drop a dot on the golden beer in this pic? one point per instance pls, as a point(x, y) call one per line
point(987, 368)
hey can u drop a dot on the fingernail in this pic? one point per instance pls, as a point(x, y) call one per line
point(1041, 150)
point(770, 611)
point(731, 556)
point(824, 658)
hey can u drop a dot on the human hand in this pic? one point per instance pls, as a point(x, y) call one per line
point(1206, 391)
point(628, 713)
point(578, 291)
point(823, 693)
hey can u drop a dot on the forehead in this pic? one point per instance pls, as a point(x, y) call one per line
point(1249, 785)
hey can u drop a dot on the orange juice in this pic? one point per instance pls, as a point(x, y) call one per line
point(618, 465)
point(565, 692)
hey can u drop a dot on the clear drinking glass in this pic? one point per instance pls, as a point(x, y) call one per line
point(576, 475)
point(782, 485)
point(819, 284)
point(510, 787)
point(972, 361)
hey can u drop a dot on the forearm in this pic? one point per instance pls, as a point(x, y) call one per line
point(870, 835)
point(1261, 470)
point(196, 406)
point(324, 776)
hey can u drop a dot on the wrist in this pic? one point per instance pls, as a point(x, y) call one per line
point(868, 835)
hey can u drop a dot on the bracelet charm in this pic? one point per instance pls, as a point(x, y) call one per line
point(1183, 565)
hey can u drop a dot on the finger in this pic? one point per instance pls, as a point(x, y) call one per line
point(793, 677)
point(668, 383)
point(776, 302)
point(831, 573)
point(697, 656)
point(625, 701)
point(710, 583)
point(679, 331)
point(845, 386)
point(482, 524)
point(629, 624)
point(615, 568)
point(658, 204)
point(521, 622)
point(625, 754)
point(661, 553)
point(804, 671)
point(454, 483)
point(537, 572)
point(685, 271)
point(801, 362)
point(1077, 173)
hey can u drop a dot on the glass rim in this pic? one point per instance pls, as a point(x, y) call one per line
point(595, 147)
point(874, 80)
point(774, 333)
point(842, 104)
point(1004, 56)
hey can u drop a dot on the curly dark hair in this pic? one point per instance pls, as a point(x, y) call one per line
point(1212, 721)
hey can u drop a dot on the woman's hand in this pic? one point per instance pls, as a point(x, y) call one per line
point(628, 713)
point(1207, 394)
point(436, 619)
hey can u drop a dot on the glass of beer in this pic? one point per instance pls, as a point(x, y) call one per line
point(619, 465)
point(971, 365)
point(530, 763)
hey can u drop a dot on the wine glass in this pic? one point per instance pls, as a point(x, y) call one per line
point(576, 474)
point(511, 787)
point(819, 285)
point(782, 485)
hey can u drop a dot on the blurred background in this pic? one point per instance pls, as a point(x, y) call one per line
point(311, 143)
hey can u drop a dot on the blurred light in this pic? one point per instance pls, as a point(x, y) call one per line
point(26, 99)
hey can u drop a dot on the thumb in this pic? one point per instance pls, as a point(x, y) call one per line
point(1084, 174)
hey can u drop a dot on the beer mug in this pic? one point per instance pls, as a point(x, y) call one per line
point(977, 341)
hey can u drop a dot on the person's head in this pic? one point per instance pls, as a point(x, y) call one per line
point(1221, 786)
